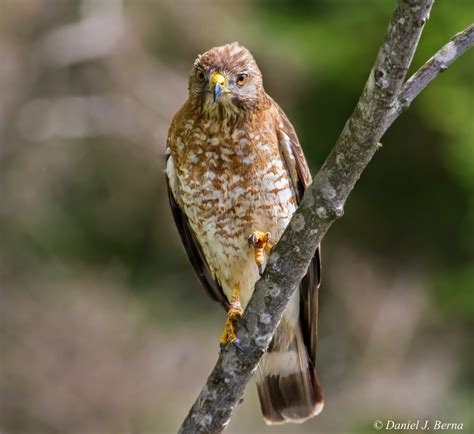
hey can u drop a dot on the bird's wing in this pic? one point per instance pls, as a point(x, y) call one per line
point(191, 244)
point(300, 175)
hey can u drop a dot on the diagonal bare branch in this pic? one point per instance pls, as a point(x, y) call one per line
point(322, 204)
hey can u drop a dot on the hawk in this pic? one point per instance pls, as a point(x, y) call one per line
point(235, 174)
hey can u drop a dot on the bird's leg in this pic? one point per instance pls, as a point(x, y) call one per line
point(233, 315)
point(260, 241)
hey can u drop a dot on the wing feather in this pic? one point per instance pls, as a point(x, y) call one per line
point(191, 244)
point(300, 175)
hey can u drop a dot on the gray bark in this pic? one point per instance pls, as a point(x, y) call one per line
point(440, 62)
point(322, 204)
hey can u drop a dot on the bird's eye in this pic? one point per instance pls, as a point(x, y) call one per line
point(242, 79)
point(200, 75)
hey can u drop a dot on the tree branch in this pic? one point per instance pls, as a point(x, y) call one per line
point(322, 204)
point(440, 62)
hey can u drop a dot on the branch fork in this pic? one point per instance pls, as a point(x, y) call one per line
point(384, 98)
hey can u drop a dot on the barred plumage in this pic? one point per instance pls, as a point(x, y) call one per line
point(235, 168)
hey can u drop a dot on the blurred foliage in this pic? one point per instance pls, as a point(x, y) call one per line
point(88, 90)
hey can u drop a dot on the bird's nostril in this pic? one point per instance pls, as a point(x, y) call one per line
point(218, 79)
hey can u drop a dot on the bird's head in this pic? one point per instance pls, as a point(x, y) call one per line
point(226, 80)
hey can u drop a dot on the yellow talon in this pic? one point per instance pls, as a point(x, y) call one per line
point(261, 241)
point(233, 315)
point(229, 334)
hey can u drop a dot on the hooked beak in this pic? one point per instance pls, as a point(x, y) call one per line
point(218, 85)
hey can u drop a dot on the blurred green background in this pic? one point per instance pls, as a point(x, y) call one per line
point(104, 328)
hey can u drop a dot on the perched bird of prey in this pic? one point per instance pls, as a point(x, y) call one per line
point(236, 173)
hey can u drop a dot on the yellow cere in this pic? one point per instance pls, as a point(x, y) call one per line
point(218, 78)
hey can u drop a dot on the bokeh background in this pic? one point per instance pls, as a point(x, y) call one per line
point(104, 328)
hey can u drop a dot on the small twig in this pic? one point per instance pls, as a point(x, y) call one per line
point(440, 62)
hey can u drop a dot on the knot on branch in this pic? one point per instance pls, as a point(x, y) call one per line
point(380, 80)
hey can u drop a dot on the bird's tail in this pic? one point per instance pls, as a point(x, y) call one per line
point(287, 382)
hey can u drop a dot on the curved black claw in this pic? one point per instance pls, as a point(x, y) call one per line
point(250, 240)
point(243, 323)
point(260, 270)
point(238, 346)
